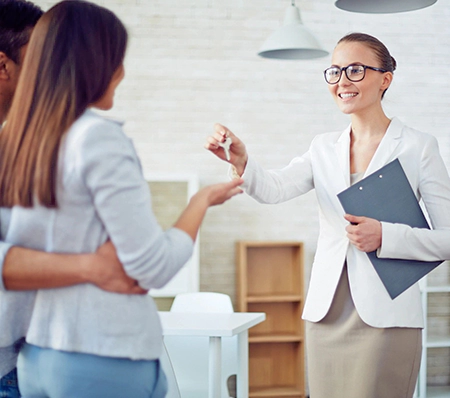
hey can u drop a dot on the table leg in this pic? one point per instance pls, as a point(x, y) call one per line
point(215, 367)
point(242, 376)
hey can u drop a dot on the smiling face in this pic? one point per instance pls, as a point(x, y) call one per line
point(357, 97)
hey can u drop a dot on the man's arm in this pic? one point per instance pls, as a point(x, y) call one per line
point(25, 269)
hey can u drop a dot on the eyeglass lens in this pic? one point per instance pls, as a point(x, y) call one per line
point(354, 73)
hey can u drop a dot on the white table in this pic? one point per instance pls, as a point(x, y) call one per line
point(216, 326)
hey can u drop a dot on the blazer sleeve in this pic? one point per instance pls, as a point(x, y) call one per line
point(276, 186)
point(403, 242)
point(110, 169)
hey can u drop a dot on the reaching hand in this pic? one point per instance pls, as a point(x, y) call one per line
point(238, 153)
point(217, 194)
point(364, 233)
point(109, 274)
point(211, 195)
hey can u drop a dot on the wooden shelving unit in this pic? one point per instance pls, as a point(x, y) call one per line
point(270, 280)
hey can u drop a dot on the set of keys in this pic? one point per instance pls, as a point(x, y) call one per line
point(226, 147)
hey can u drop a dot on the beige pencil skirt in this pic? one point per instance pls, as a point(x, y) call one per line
point(349, 359)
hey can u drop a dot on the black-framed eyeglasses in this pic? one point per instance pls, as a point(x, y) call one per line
point(354, 73)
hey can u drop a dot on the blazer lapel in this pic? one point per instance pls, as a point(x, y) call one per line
point(385, 152)
point(342, 147)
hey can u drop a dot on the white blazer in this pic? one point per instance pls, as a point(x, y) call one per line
point(326, 168)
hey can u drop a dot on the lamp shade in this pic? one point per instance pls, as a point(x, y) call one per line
point(292, 40)
point(382, 6)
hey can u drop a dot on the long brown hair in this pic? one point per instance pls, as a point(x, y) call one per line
point(73, 53)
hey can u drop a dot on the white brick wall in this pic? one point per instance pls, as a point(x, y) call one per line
point(192, 63)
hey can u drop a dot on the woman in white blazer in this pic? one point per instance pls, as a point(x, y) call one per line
point(360, 343)
point(70, 179)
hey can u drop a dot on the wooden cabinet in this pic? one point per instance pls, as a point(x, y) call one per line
point(270, 280)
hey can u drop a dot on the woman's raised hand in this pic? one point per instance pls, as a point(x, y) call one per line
point(211, 195)
point(217, 194)
point(237, 152)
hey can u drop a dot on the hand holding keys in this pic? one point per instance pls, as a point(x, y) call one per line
point(234, 151)
point(226, 147)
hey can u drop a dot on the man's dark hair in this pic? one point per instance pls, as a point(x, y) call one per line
point(76, 50)
point(17, 19)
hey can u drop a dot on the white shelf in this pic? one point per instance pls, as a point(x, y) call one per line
point(428, 341)
point(438, 342)
point(438, 392)
point(437, 289)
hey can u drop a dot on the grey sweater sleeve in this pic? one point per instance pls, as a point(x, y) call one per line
point(4, 247)
point(108, 165)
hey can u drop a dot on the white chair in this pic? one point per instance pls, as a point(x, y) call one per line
point(166, 364)
point(202, 302)
point(189, 354)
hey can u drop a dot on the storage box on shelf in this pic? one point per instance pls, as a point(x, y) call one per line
point(270, 280)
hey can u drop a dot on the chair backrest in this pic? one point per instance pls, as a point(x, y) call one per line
point(189, 354)
point(202, 302)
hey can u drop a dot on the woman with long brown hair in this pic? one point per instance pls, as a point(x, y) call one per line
point(72, 179)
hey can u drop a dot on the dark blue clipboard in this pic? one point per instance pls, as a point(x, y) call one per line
point(386, 195)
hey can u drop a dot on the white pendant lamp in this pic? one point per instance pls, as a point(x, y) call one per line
point(292, 40)
point(382, 6)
